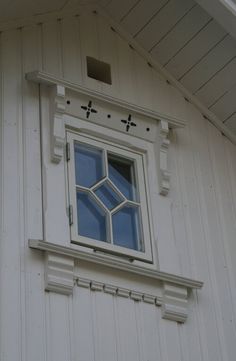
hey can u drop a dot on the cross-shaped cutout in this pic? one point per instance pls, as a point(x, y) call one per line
point(128, 123)
point(88, 109)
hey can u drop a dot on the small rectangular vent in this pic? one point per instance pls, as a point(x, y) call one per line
point(98, 70)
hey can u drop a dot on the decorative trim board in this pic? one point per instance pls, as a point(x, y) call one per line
point(60, 277)
point(48, 79)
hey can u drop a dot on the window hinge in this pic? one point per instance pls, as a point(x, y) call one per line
point(71, 220)
point(67, 152)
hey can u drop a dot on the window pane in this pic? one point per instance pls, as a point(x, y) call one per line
point(108, 196)
point(88, 165)
point(121, 173)
point(91, 217)
point(126, 228)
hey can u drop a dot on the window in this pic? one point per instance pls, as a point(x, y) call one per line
point(108, 194)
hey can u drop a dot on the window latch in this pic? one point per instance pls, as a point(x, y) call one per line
point(71, 220)
point(67, 152)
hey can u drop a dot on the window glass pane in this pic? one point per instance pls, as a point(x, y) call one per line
point(108, 196)
point(126, 228)
point(121, 173)
point(88, 164)
point(91, 217)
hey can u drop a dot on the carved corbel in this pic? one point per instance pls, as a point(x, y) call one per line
point(163, 144)
point(174, 302)
point(59, 273)
point(57, 122)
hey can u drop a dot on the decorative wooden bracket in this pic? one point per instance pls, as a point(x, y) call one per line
point(59, 273)
point(57, 111)
point(163, 144)
point(174, 302)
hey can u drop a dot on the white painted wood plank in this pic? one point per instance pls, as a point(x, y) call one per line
point(226, 105)
point(209, 242)
point(59, 327)
point(31, 60)
point(83, 333)
point(118, 9)
point(177, 209)
point(226, 220)
point(11, 200)
point(218, 85)
point(160, 93)
point(210, 64)
point(181, 34)
point(108, 54)
point(34, 268)
point(192, 53)
point(167, 254)
point(140, 14)
point(54, 184)
point(104, 327)
point(230, 151)
point(88, 31)
point(163, 22)
point(125, 71)
point(189, 333)
point(170, 331)
point(71, 53)
point(127, 330)
point(231, 122)
point(148, 325)
point(187, 154)
point(143, 81)
point(51, 52)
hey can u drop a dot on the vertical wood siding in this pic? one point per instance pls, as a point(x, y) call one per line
point(94, 326)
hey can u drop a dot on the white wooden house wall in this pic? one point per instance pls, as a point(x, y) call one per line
point(92, 325)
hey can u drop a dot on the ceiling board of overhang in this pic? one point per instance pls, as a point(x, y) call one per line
point(178, 34)
point(15, 9)
point(193, 47)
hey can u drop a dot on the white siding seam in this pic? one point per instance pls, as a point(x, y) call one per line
point(59, 46)
point(22, 205)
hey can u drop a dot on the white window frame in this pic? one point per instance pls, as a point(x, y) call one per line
point(141, 174)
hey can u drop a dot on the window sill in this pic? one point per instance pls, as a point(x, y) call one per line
point(170, 291)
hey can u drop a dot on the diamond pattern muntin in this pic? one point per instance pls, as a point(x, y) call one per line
point(109, 197)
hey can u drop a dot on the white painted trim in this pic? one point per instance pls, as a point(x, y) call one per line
point(60, 277)
point(163, 144)
point(111, 262)
point(48, 79)
point(57, 127)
